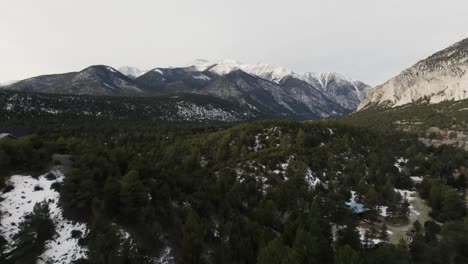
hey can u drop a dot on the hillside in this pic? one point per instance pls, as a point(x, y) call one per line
point(20, 107)
point(253, 193)
point(94, 80)
point(440, 77)
point(435, 124)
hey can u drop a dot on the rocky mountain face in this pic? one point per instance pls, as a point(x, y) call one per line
point(265, 89)
point(94, 80)
point(264, 96)
point(441, 77)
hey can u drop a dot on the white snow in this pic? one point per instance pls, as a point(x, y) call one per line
point(2, 84)
point(282, 167)
point(203, 162)
point(406, 194)
point(132, 72)
point(362, 233)
point(202, 77)
point(2, 135)
point(111, 69)
point(310, 179)
point(416, 179)
point(166, 256)
point(383, 210)
point(399, 163)
point(19, 202)
point(268, 71)
point(190, 112)
point(264, 135)
point(158, 71)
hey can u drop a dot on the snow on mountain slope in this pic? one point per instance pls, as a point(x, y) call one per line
point(441, 77)
point(223, 67)
point(19, 202)
point(344, 91)
point(2, 84)
point(132, 72)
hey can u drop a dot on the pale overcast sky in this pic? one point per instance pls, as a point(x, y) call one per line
point(369, 40)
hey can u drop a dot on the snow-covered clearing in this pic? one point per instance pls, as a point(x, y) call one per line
point(20, 201)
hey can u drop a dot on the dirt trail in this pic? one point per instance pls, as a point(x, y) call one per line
point(419, 212)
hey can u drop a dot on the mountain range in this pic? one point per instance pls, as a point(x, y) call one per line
point(263, 88)
point(266, 90)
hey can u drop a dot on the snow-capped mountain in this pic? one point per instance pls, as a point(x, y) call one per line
point(440, 77)
point(271, 98)
point(344, 91)
point(265, 89)
point(266, 71)
point(132, 72)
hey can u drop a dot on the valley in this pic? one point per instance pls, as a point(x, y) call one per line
point(226, 162)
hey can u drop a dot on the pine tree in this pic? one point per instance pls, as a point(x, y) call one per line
point(111, 196)
point(33, 234)
point(300, 139)
point(349, 236)
point(133, 196)
point(192, 238)
point(275, 252)
point(403, 210)
point(384, 233)
point(347, 255)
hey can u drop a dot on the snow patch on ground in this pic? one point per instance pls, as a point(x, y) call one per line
point(416, 179)
point(410, 196)
point(20, 202)
point(166, 256)
point(383, 211)
point(400, 163)
point(311, 180)
point(260, 139)
point(362, 235)
point(406, 194)
point(282, 167)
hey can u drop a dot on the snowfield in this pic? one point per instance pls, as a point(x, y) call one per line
point(20, 201)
